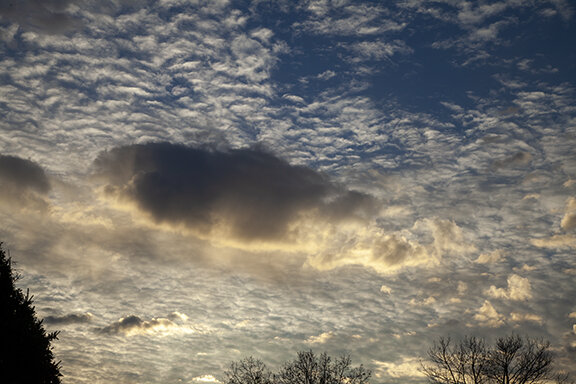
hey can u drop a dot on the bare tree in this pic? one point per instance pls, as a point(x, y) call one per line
point(520, 361)
point(512, 360)
point(309, 368)
point(248, 371)
point(463, 363)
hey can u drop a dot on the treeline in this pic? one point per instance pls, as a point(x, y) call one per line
point(510, 360)
point(307, 368)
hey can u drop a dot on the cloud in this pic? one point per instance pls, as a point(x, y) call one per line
point(246, 193)
point(424, 246)
point(23, 174)
point(487, 316)
point(385, 253)
point(448, 236)
point(73, 318)
point(519, 159)
point(490, 258)
point(133, 325)
point(50, 16)
point(348, 20)
point(523, 317)
point(519, 289)
point(23, 183)
point(320, 339)
point(555, 241)
point(376, 50)
point(386, 290)
point(407, 367)
point(569, 220)
point(205, 379)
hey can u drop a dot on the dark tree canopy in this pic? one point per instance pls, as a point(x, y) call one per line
point(307, 368)
point(511, 360)
point(25, 346)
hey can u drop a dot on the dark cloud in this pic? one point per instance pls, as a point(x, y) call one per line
point(519, 159)
point(23, 183)
point(253, 193)
point(72, 318)
point(132, 324)
point(123, 325)
point(24, 174)
point(50, 16)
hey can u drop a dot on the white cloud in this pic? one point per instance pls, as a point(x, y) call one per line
point(491, 257)
point(205, 379)
point(519, 289)
point(386, 290)
point(487, 316)
point(376, 50)
point(555, 241)
point(523, 317)
point(406, 367)
point(321, 338)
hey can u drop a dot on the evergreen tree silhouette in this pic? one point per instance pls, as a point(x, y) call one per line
point(25, 346)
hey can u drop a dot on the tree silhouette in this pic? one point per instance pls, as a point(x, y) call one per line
point(25, 346)
point(248, 371)
point(511, 360)
point(307, 368)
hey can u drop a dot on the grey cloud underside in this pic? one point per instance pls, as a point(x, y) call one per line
point(257, 194)
point(50, 16)
point(23, 174)
point(124, 324)
point(72, 318)
point(23, 183)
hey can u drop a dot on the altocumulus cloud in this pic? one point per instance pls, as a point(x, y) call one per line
point(247, 194)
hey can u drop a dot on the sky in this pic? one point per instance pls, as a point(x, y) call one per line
point(185, 183)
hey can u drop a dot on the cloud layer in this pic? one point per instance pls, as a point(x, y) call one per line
point(347, 176)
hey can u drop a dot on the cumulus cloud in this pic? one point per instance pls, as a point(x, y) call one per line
point(72, 318)
point(321, 338)
point(519, 289)
point(23, 183)
point(490, 257)
point(246, 193)
point(487, 316)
